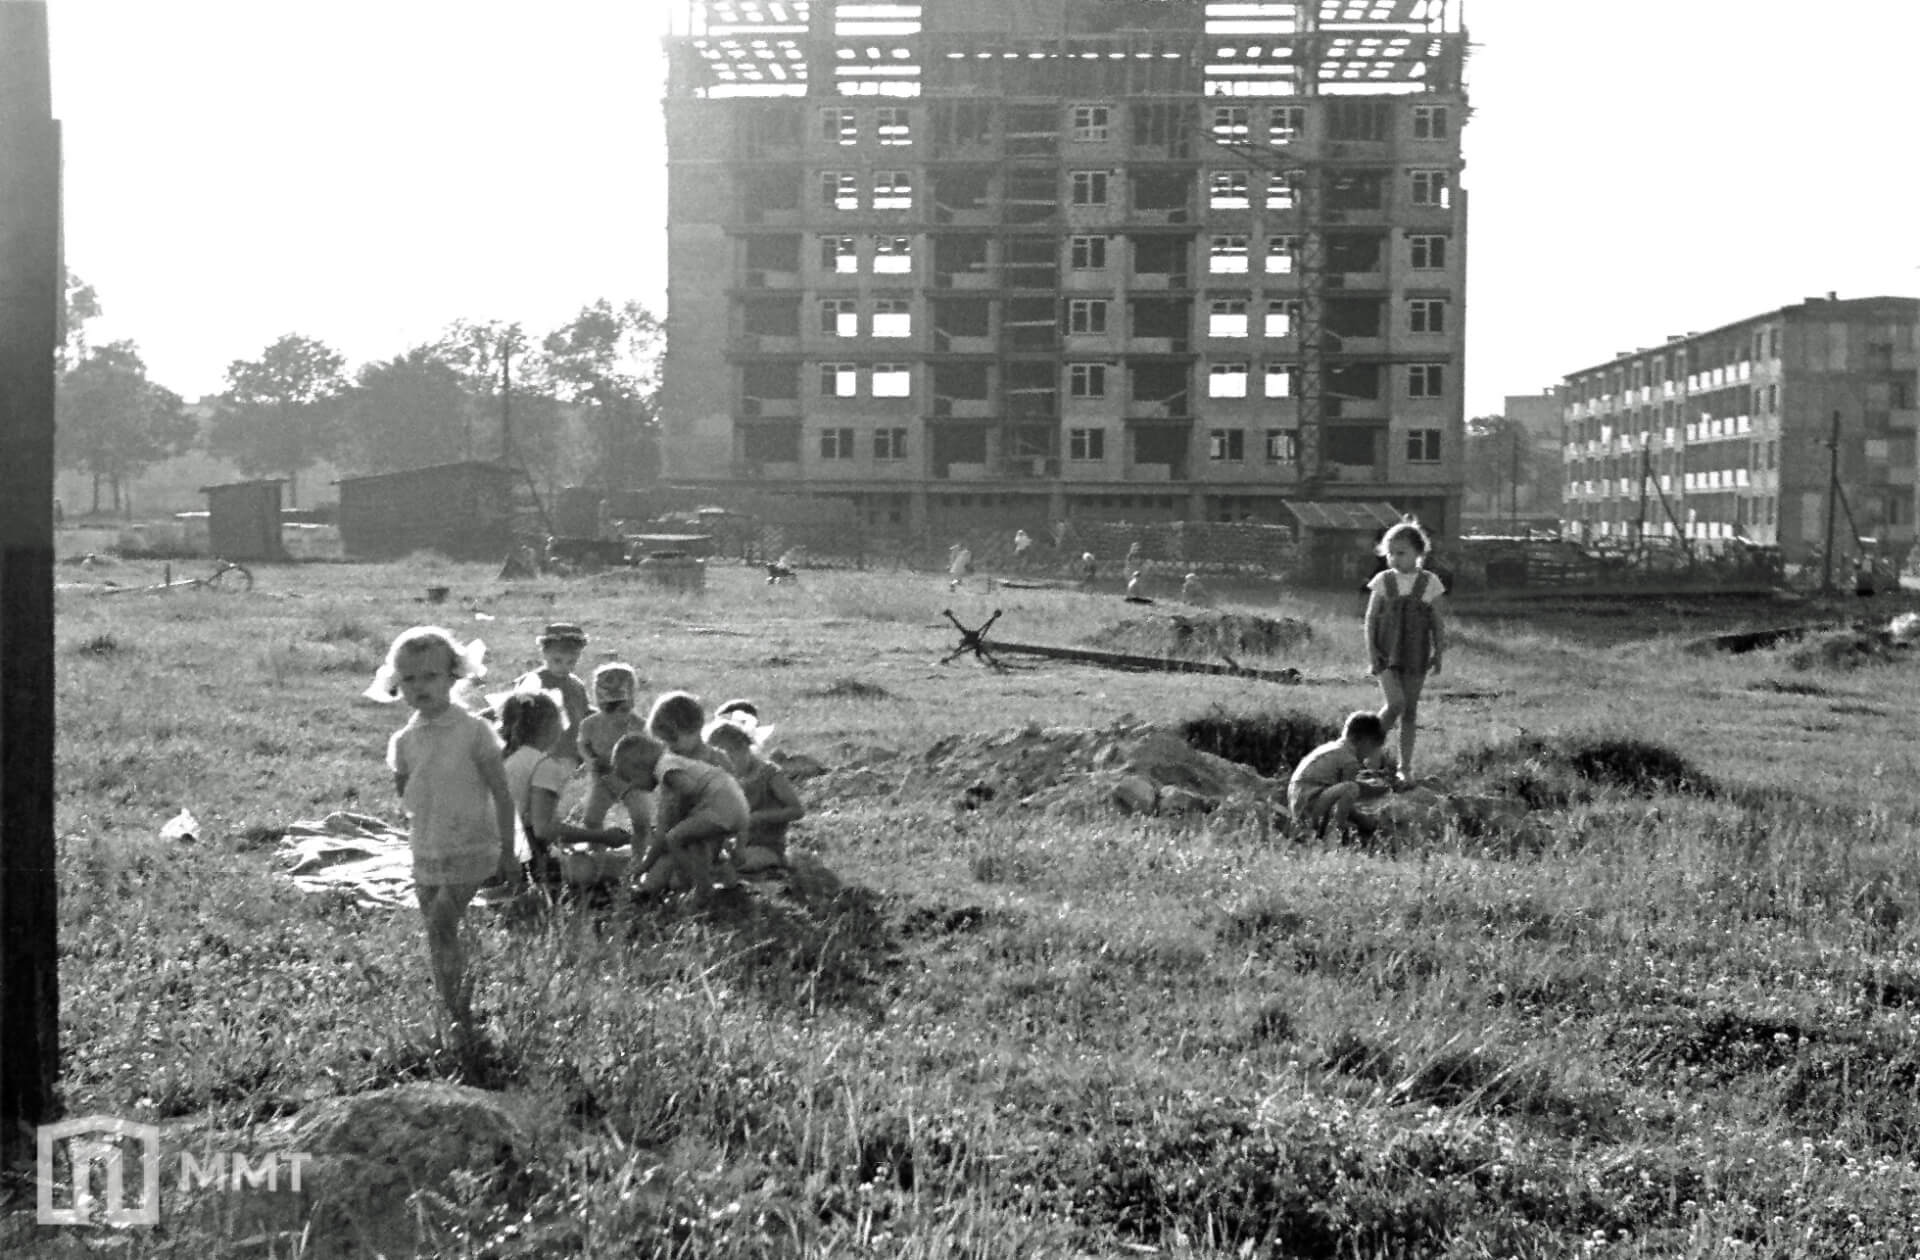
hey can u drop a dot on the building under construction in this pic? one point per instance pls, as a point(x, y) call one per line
point(972, 261)
point(1755, 431)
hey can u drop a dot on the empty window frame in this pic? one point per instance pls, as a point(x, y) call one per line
point(1283, 255)
point(840, 189)
point(1432, 188)
point(1227, 256)
point(1429, 253)
point(1089, 188)
point(1282, 379)
point(893, 317)
point(1227, 317)
point(1087, 316)
point(893, 190)
point(1423, 446)
point(1430, 122)
point(892, 380)
point(1286, 123)
point(1227, 380)
point(893, 125)
point(1283, 446)
point(1283, 189)
point(1427, 315)
point(1091, 123)
point(839, 126)
point(1088, 253)
point(839, 380)
point(1229, 190)
point(1426, 380)
point(836, 444)
point(889, 444)
point(840, 317)
point(838, 255)
point(1283, 318)
point(893, 255)
point(1086, 444)
point(1232, 124)
point(1227, 445)
point(1086, 380)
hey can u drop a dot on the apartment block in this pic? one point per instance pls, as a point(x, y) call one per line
point(975, 260)
point(1732, 433)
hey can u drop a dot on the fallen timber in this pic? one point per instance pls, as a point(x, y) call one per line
point(976, 642)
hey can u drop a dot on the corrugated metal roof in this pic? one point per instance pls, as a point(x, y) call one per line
point(1344, 514)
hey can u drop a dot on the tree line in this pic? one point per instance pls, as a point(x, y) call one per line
point(578, 405)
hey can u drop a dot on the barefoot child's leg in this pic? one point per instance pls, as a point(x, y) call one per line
point(444, 906)
point(1410, 686)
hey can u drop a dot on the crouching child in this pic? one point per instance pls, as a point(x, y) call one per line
point(699, 810)
point(772, 803)
point(1332, 779)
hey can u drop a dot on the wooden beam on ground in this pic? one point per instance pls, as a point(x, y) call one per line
point(31, 297)
point(1152, 664)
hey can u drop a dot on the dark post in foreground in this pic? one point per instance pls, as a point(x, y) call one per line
point(30, 303)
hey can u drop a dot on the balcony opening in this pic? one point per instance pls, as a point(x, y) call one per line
point(1354, 251)
point(771, 317)
point(1157, 192)
point(1160, 389)
point(773, 253)
point(1032, 388)
point(1354, 317)
point(968, 317)
point(958, 255)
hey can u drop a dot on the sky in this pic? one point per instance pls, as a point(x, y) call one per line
point(366, 171)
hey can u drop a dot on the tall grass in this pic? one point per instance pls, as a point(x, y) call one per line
point(1678, 1022)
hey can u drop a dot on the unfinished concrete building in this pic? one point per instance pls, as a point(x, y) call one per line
point(1729, 434)
point(980, 261)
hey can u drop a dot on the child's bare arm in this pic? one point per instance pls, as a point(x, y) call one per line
point(1376, 604)
point(493, 772)
point(787, 806)
point(1439, 638)
point(543, 808)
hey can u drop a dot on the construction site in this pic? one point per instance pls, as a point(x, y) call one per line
point(987, 264)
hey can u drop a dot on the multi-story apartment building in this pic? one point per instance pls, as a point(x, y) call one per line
point(1017, 259)
point(1731, 433)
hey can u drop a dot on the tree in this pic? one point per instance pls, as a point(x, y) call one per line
point(410, 411)
point(113, 422)
point(1500, 461)
point(608, 360)
point(82, 306)
point(282, 410)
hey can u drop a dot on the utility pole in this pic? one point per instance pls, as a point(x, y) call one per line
point(31, 294)
point(506, 399)
point(1833, 499)
point(1513, 471)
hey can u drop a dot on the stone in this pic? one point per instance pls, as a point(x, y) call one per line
point(1135, 794)
point(798, 767)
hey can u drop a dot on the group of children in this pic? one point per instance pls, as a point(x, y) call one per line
point(704, 805)
point(1406, 637)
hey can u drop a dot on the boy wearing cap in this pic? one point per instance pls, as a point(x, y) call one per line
point(560, 646)
point(615, 686)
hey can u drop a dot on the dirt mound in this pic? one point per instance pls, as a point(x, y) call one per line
point(1850, 649)
point(1554, 773)
point(1204, 636)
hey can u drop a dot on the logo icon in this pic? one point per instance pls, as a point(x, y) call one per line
point(101, 1146)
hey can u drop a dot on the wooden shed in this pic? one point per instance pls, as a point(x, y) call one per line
point(243, 520)
point(462, 510)
point(1338, 538)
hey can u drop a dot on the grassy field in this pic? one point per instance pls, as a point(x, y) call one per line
point(1679, 1021)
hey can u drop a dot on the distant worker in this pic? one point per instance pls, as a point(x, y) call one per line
point(59, 514)
point(1134, 560)
point(1022, 543)
point(1088, 569)
point(1133, 584)
point(1194, 591)
point(959, 565)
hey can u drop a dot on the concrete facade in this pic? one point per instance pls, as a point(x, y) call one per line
point(1732, 429)
point(970, 261)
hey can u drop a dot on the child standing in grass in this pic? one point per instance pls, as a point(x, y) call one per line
point(614, 688)
point(1405, 633)
point(1327, 783)
point(699, 808)
point(773, 804)
point(448, 771)
point(537, 773)
point(560, 646)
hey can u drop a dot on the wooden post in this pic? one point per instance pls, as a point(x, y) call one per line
point(1833, 496)
point(31, 296)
